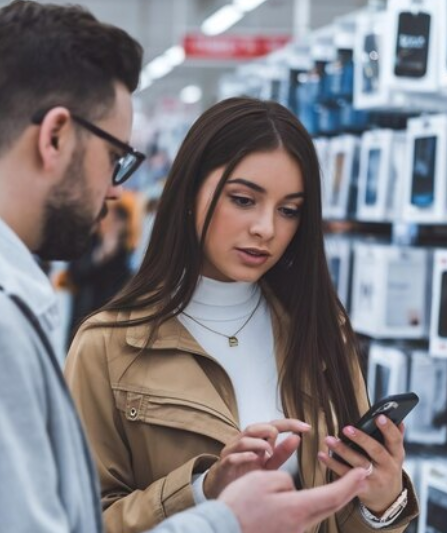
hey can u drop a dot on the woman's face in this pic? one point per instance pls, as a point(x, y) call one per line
point(256, 217)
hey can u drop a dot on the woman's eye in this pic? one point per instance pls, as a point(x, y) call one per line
point(291, 212)
point(241, 201)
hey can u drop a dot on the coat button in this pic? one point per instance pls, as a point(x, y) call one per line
point(133, 413)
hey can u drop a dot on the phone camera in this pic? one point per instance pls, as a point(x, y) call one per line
point(388, 406)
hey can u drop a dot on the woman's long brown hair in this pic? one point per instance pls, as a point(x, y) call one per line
point(320, 353)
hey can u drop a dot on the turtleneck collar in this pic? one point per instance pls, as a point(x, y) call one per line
point(219, 300)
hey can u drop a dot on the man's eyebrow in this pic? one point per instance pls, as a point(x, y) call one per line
point(258, 188)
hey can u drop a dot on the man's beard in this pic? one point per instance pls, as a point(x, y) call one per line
point(68, 220)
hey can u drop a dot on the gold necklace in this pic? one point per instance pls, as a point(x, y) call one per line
point(232, 339)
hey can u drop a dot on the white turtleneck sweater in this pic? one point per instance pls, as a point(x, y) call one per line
point(251, 366)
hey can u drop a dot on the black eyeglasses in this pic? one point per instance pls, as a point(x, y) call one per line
point(125, 166)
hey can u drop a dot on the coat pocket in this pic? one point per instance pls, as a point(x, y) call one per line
point(175, 412)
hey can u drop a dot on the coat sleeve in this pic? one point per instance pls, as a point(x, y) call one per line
point(126, 508)
point(29, 496)
point(350, 519)
point(210, 517)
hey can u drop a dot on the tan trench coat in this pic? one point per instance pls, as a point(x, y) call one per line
point(155, 416)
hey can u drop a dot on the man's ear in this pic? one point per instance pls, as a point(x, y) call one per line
point(56, 138)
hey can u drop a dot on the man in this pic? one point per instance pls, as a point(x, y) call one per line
point(65, 118)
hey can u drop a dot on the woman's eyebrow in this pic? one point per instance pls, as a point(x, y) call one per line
point(258, 188)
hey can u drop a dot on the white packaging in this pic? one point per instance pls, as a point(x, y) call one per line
point(338, 254)
point(411, 46)
point(343, 174)
point(387, 371)
point(438, 321)
point(425, 184)
point(442, 51)
point(433, 497)
point(380, 175)
point(428, 379)
point(389, 291)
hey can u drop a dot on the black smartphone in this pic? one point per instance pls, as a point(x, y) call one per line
point(413, 35)
point(396, 407)
point(442, 320)
point(424, 165)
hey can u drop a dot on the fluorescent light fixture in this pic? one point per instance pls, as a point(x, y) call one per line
point(247, 5)
point(175, 55)
point(221, 20)
point(191, 94)
point(161, 66)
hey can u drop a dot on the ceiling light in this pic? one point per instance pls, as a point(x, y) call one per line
point(175, 55)
point(247, 5)
point(221, 20)
point(191, 94)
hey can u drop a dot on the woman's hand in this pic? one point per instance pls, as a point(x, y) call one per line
point(384, 484)
point(254, 448)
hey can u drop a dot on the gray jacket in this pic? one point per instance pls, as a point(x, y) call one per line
point(48, 480)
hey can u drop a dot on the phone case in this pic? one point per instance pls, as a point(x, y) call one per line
point(396, 407)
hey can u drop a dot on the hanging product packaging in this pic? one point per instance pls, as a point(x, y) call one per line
point(339, 259)
point(425, 184)
point(387, 371)
point(411, 45)
point(438, 321)
point(380, 175)
point(342, 179)
point(433, 497)
point(428, 423)
point(389, 291)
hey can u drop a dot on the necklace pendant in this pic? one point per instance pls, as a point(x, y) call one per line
point(232, 341)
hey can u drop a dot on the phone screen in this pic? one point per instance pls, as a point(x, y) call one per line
point(442, 321)
point(436, 511)
point(372, 175)
point(370, 64)
point(423, 180)
point(413, 33)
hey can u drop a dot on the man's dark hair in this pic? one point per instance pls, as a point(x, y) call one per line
point(59, 55)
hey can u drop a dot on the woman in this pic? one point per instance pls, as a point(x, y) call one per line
point(233, 304)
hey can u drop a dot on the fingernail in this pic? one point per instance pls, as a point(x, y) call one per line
point(305, 424)
point(349, 430)
point(332, 441)
point(321, 456)
point(382, 420)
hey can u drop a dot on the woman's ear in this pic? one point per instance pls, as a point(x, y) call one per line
point(55, 138)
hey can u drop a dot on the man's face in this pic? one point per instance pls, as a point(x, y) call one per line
point(77, 203)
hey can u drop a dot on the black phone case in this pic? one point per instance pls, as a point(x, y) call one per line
point(396, 407)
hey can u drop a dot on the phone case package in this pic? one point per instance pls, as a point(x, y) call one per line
point(341, 186)
point(389, 291)
point(427, 378)
point(387, 371)
point(438, 321)
point(425, 184)
point(380, 176)
point(442, 49)
point(411, 49)
point(433, 497)
point(338, 254)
